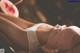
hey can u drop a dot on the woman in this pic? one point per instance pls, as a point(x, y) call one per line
point(24, 24)
point(56, 39)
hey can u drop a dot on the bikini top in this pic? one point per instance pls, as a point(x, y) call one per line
point(32, 37)
point(34, 42)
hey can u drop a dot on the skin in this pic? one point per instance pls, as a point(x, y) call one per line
point(16, 36)
point(14, 29)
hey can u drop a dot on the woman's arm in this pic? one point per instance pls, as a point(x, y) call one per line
point(18, 21)
point(18, 35)
point(13, 32)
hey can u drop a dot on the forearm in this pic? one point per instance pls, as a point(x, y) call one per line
point(18, 21)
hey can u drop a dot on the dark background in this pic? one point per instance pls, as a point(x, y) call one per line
point(56, 12)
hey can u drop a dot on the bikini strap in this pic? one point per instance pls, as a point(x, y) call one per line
point(32, 37)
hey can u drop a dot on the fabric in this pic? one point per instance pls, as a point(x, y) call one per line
point(32, 37)
point(61, 38)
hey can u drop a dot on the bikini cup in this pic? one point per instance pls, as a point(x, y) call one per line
point(32, 37)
